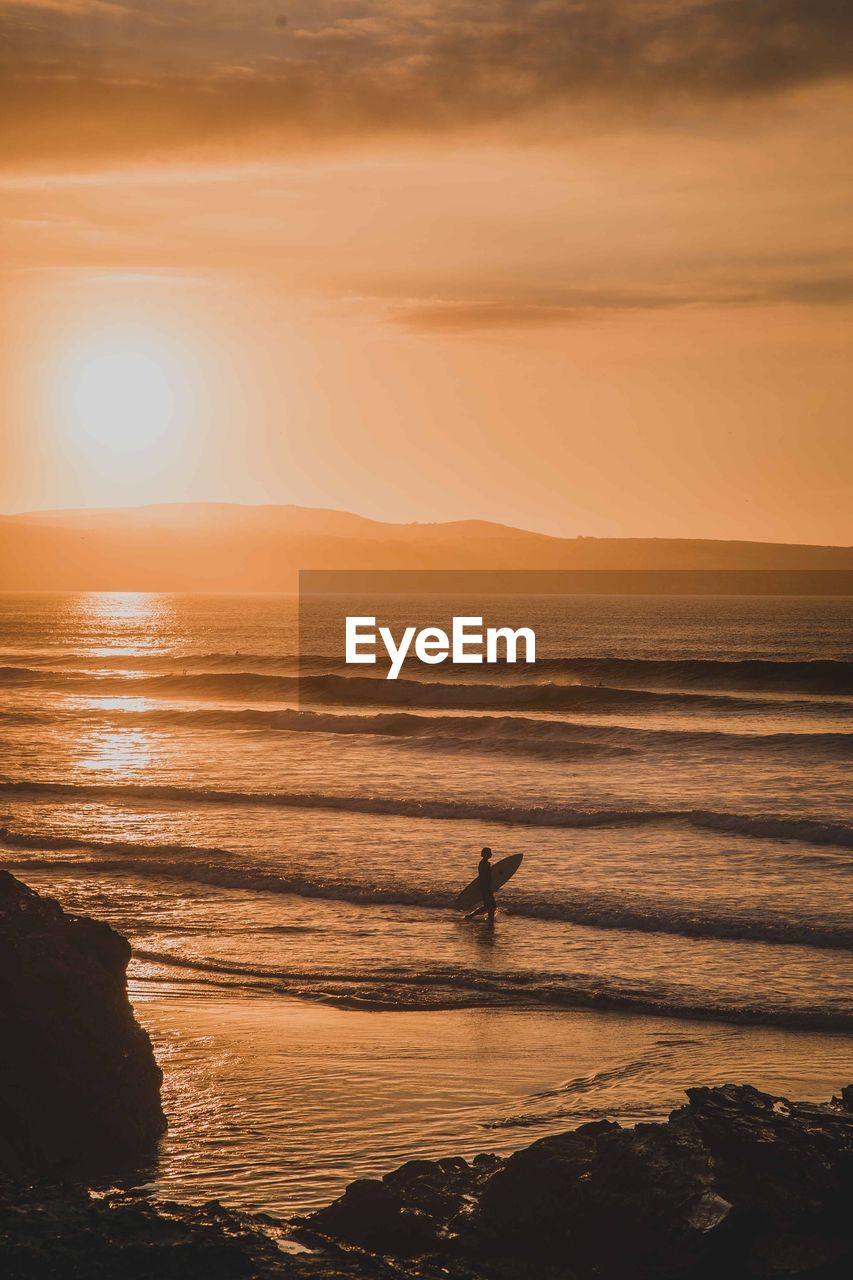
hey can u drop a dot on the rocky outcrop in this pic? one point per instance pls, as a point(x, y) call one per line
point(79, 1087)
point(735, 1183)
point(69, 1235)
point(422, 1207)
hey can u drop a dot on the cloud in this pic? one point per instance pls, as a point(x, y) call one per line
point(820, 291)
point(81, 77)
point(574, 307)
point(471, 317)
point(71, 8)
point(565, 306)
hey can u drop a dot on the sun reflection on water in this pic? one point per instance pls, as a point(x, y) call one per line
point(126, 622)
point(125, 752)
point(131, 703)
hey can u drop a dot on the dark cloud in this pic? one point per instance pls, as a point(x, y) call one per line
point(82, 77)
point(533, 310)
point(824, 291)
point(568, 307)
point(473, 316)
point(467, 317)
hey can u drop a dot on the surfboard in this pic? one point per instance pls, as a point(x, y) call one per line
point(501, 872)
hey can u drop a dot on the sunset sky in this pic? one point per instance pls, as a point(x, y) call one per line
point(584, 266)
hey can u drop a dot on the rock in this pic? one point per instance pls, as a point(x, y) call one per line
point(71, 1236)
point(79, 1087)
point(371, 1216)
point(412, 1211)
point(736, 1183)
point(68, 1235)
point(846, 1099)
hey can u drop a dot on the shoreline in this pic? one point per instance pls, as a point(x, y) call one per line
point(740, 1180)
point(276, 1103)
point(688, 1198)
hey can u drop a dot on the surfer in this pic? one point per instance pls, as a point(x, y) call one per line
point(487, 893)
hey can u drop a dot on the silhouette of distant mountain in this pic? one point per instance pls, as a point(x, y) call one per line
point(227, 547)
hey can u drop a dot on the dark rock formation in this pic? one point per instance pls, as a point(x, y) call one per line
point(79, 1087)
point(417, 1209)
point(68, 1235)
point(736, 1183)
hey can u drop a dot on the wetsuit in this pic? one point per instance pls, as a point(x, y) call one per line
point(487, 893)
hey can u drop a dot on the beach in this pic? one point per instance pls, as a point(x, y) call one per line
point(286, 875)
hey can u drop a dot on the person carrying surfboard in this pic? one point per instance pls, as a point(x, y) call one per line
point(478, 897)
point(484, 881)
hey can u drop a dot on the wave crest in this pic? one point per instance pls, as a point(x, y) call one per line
point(809, 830)
point(219, 868)
point(446, 987)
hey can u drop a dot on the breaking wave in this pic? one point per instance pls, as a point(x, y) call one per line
point(438, 694)
point(447, 987)
point(557, 739)
point(816, 676)
point(223, 869)
point(774, 826)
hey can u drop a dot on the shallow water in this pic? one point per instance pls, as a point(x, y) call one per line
point(676, 774)
point(328, 1095)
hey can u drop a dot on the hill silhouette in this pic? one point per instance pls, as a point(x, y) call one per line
point(228, 547)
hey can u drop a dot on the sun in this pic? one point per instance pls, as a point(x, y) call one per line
point(123, 392)
point(137, 390)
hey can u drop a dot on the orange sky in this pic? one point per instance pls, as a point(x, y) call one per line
point(579, 265)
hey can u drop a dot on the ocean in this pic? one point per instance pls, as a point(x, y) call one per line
point(676, 771)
